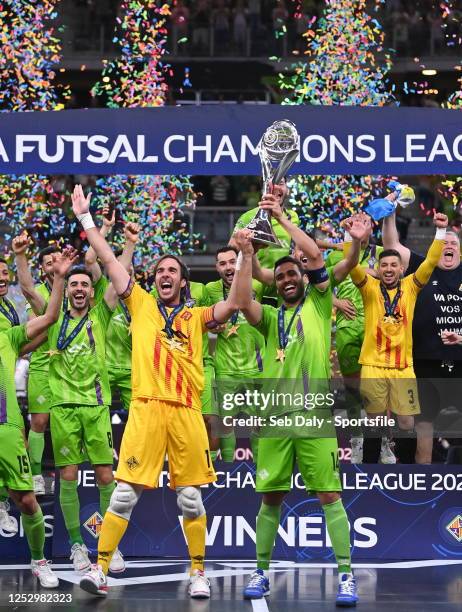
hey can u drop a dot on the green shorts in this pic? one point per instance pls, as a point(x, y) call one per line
point(15, 472)
point(38, 392)
point(208, 394)
point(349, 341)
point(81, 433)
point(317, 460)
point(122, 381)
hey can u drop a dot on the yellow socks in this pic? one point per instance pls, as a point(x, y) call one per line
point(194, 530)
point(112, 531)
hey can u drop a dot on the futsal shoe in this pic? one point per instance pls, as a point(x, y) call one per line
point(347, 596)
point(117, 564)
point(258, 586)
point(387, 456)
point(94, 581)
point(7, 522)
point(39, 484)
point(357, 444)
point(42, 570)
point(199, 585)
point(79, 558)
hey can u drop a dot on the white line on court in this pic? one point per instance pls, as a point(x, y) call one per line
point(259, 605)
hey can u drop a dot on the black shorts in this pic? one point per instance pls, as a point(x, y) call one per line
point(440, 393)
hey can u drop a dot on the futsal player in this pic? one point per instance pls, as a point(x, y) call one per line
point(8, 318)
point(298, 338)
point(387, 375)
point(15, 470)
point(239, 349)
point(165, 412)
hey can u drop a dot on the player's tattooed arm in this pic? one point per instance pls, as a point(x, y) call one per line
point(250, 308)
point(62, 262)
point(119, 276)
point(90, 256)
point(390, 236)
point(357, 227)
point(20, 245)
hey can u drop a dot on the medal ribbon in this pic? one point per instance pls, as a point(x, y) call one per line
point(284, 333)
point(63, 341)
point(125, 310)
point(390, 307)
point(9, 312)
point(235, 315)
point(169, 318)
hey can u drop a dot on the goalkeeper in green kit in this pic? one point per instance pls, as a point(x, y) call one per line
point(298, 338)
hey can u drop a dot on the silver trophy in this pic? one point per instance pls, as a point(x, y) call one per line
point(278, 150)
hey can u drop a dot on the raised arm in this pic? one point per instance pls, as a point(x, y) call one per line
point(424, 271)
point(390, 236)
point(20, 245)
point(131, 232)
point(119, 276)
point(263, 275)
point(61, 264)
point(90, 256)
point(250, 308)
point(357, 229)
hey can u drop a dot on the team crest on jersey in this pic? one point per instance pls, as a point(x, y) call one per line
point(93, 524)
point(132, 463)
point(455, 528)
point(186, 316)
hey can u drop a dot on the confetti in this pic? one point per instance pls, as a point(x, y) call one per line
point(138, 78)
point(343, 70)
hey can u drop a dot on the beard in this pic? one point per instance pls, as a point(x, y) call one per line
point(297, 296)
point(80, 306)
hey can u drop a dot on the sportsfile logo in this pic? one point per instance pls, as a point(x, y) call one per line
point(93, 524)
point(455, 528)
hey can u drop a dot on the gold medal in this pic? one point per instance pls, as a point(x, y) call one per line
point(174, 345)
point(389, 319)
point(52, 352)
point(281, 355)
point(232, 331)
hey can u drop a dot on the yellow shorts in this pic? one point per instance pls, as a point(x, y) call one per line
point(155, 428)
point(391, 389)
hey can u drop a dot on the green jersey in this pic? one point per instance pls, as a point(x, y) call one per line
point(238, 354)
point(7, 311)
point(78, 373)
point(299, 375)
point(40, 357)
point(11, 341)
point(346, 290)
point(196, 295)
point(269, 255)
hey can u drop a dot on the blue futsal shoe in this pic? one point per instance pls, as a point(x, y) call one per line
point(347, 595)
point(258, 586)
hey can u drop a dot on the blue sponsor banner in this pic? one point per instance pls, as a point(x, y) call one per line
point(395, 512)
point(223, 140)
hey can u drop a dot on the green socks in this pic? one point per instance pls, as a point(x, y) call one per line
point(34, 528)
point(70, 507)
point(227, 447)
point(105, 492)
point(3, 494)
point(267, 528)
point(339, 533)
point(36, 447)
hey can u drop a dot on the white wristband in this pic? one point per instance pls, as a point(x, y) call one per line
point(86, 221)
point(347, 237)
point(440, 233)
point(239, 261)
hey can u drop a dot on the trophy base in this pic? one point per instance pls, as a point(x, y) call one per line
point(266, 239)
